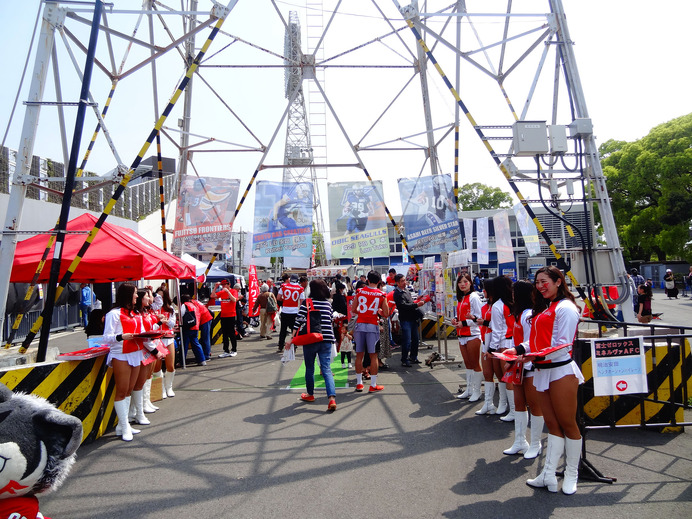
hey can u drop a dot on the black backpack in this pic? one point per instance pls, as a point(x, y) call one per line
point(189, 318)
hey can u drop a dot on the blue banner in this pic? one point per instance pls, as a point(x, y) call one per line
point(283, 220)
point(431, 221)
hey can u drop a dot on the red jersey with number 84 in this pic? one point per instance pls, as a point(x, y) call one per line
point(368, 301)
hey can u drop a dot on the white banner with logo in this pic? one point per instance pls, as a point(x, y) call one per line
point(503, 238)
point(483, 253)
point(528, 230)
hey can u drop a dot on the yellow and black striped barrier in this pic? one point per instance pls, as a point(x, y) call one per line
point(81, 388)
point(429, 329)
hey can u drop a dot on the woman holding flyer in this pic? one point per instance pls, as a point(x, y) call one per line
point(553, 329)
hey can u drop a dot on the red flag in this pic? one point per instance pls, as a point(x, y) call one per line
point(254, 290)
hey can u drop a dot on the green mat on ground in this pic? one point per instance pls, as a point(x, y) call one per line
point(340, 374)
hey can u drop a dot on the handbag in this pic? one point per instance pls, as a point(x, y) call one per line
point(311, 331)
point(271, 304)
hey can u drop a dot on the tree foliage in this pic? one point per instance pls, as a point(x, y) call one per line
point(650, 185)
point(477, 196)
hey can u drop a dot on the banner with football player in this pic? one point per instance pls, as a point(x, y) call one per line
point(431, 220)
point(283, 219)
point(206, 206)
point(357, 220)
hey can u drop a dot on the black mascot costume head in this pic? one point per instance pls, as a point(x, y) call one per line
point(37, 449)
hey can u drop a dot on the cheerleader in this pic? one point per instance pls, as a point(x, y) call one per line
point(167, 319)
point(524, 298)
point(501, 330)
point(150, 355)
point(554, 322)
point(121, 326)
point(486, 364)
point(469, 306)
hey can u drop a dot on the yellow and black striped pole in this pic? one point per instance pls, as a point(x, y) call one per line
point(562, 264)
point(125, 180)
point(162, 200)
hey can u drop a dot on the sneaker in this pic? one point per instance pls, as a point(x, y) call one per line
point(343, 366)
point(203, 363)
point(233, 353)
point(224, 355)
point(359, 388)
point(332, 406)
point(415, 361)
point(307, 398)
point(375, 389)
point(350, 365)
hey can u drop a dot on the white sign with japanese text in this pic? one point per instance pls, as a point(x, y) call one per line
point(619, 366)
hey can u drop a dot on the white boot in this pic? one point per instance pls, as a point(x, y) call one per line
point(477, 378)
point(547, 478)
point(488, 406)
point(469, 381)
point(509, 417)
point(168, 383)
point(572, 455)
point(121, 408)
point(147, 406)
point(536, 433)
point(137, 400)
point(119, 427)
point(159, 374)
point(521, 419)
point(502, 404)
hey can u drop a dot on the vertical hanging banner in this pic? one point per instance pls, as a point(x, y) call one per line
point(468, 233)
point(619, 366)
point(431, 219)
point(483, 252)
point(203, 217)
point(503, 238)
point(254, 291)
point(528, 230)
point(357, 220)
point(283, 219)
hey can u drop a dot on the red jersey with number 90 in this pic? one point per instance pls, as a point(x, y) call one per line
point(368, 301)
point(291, 296)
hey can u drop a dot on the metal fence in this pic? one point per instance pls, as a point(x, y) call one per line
point(65, 317)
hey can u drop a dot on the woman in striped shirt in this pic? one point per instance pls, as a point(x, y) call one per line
point(319, 293)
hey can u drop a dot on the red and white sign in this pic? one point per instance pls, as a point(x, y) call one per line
point(254, 290)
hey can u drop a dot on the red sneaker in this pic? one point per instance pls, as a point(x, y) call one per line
point(307, 398)
point(375, 389)
point(360, 387)
point(332, 406)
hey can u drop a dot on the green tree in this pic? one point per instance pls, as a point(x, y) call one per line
point(477, 196)
point(650, 185)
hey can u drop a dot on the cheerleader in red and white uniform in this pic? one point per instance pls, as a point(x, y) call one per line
point(501, 330)
point(557, 377)
point(469, 307)
point(149, 323)
point(121, 326)
point(525, 393)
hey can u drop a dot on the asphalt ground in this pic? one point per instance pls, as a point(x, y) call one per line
point(235, 442)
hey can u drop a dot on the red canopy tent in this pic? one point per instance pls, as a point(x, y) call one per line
point(116, 254)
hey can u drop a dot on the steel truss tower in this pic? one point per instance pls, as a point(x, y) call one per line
point(428, 81)
point(298, 156)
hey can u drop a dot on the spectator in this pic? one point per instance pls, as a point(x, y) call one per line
point(265, 316)
point(320, 298)
point(409, 317)
point(86, 301)
point(227, 297)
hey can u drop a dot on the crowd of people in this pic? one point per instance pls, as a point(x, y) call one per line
point(515, 339)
